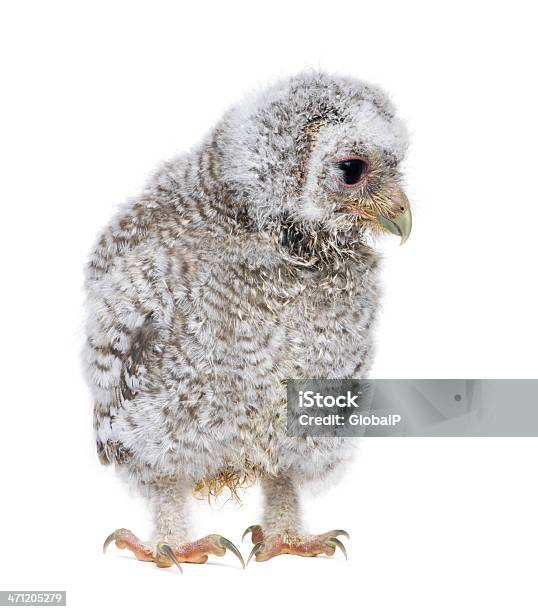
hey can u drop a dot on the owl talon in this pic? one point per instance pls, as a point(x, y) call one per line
point(336, 533)
point(123, 538)
point(164, 550)
point(256, 531)
point(225, 544)
point(110, 538)
point(256, 549)
point(335, 542)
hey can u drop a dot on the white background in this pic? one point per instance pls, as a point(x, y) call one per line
point(94, 95)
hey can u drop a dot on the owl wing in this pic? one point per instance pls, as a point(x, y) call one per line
point(126, 297)
point(117, 352)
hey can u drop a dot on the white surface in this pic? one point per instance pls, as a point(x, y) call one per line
point(94, 95)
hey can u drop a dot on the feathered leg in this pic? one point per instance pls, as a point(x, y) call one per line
point(172, 545)
point(282, 531)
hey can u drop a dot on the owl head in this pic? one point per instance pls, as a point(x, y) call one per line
point(320, 151)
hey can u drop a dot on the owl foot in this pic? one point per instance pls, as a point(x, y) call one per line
point(269, 546)
point(257, 533)
point(164, 555)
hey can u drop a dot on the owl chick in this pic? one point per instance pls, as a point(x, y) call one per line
point(244, 263)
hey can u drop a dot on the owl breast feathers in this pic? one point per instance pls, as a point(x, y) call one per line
point(244, 263)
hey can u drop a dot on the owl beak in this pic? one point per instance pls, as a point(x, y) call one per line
point(399, 220)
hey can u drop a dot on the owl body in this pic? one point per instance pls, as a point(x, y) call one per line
point(206, 293)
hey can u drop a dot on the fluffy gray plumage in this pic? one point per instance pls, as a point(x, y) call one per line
point(245, 262)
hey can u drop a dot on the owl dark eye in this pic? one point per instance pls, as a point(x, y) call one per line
point(352, 170)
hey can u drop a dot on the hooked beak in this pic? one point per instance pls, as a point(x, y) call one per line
point(401, 222)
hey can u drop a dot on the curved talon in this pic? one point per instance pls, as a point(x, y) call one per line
point(335, 542)
point(249, 530)
point(225, 543)
point(257, 548)
point(337, 532)
point(164, 549)
point(111, 538)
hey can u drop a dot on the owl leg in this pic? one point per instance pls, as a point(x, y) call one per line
point(282, 531)
point(172, 544)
